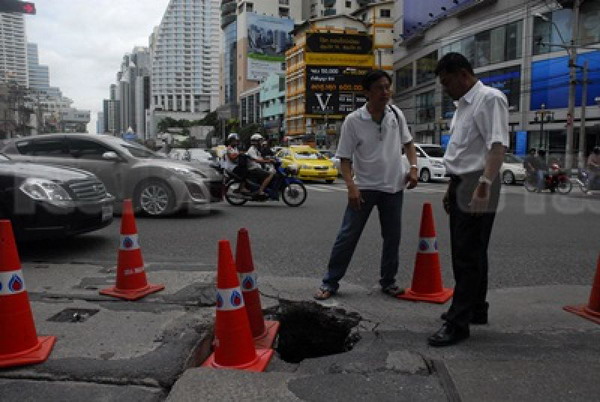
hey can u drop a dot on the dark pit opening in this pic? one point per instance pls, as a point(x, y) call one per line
point(73, 315)
point(310, 330)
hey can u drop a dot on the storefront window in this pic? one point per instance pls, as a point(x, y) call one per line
point(589, 24)
point(425, 108)
point(498, 44)
point(546, 32)
point(467, 48)
point(426, 67)
point(513, 40)
point(482, 49)
point(404, 77)
point(507, 80)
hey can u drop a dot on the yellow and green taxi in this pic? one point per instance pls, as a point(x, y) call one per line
point(308, 162)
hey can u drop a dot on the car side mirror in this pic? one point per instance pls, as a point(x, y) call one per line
point(110, 156)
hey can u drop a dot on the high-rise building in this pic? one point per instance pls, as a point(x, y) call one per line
point(326, 8)
point(39, 76)
point(13, 49)
point(255, 37)
point(184, 51)
point(100, 123)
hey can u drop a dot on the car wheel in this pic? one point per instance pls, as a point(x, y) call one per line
point(154, 198)
point(425, 176)
point(508, 177)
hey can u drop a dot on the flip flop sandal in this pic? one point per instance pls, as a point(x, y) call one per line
point(393, 291)
point(323, 294)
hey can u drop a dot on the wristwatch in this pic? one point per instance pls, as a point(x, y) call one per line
point(483, 179)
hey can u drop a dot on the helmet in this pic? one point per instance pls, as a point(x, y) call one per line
point(256, 137)
point(233, 136)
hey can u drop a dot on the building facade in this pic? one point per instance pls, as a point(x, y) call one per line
point(272, 105)
point(185, 59)
point(39, 75)
point(516, 47)
point(13, 49)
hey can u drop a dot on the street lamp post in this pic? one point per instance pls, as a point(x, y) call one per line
point(544, 116)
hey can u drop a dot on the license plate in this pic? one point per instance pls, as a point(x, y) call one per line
point(107, 212)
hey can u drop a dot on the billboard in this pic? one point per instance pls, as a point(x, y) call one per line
point(334, 91)
point(336, 49)
point(268, 38)
point(419, 14)
point(550, 81)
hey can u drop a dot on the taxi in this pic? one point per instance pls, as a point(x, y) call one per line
point(308, 162)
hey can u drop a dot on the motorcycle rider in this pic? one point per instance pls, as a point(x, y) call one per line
point(542, 169)
point(593, 165)
point(234, 162)
point(255, 170)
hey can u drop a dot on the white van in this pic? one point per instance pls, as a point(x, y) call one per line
point(430, 163)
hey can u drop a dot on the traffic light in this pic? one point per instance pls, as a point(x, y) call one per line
point(14, 6)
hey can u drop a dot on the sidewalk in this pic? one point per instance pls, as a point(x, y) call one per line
point(148, 350)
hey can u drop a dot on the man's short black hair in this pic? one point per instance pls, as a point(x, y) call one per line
point(453, 62)
point(373, 76)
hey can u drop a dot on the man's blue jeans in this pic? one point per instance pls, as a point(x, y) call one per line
point(390, 219)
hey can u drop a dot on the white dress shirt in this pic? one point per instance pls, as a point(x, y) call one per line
point(480, 120)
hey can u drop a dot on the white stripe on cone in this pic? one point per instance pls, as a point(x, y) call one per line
point(248, 281)
point(427, 245)
point(129, 242)
point(11, 283)
point(229, 299)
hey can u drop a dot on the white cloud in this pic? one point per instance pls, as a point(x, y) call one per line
point(84, 41)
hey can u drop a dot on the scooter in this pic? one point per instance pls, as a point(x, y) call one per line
point(283, 185)
point(556, 180)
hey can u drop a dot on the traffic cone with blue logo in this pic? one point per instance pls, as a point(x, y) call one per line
point(264, 332)
point(131, 275)
point(591, 311)
point(427, 276)
point(234, 346)
point(19, 343)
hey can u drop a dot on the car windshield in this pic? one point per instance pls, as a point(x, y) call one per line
point(308, 155)
point(510, 158)
point(434, 152)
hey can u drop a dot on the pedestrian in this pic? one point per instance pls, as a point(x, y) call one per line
point(593, 165)
point(534, 174)
point(370, 146)
point(478, 142)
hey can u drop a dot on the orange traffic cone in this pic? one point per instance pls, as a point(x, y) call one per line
point(427, 277)
point(264, 332)
point(234, 347)
point(592, 310)
point(19, 343)
point(131, 276)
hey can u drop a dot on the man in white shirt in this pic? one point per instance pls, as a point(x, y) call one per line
point(370, 146)
point(479, 138)
point(255, 170)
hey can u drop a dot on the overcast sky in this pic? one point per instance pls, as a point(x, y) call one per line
point(83, 42)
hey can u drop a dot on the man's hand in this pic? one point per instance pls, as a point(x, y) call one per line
point(412, 179)
point(481, 199)
point(446, 201)
point(354, 197)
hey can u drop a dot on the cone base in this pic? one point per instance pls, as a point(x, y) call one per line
point(266, 340)
point(263, 357)
point(585, 312)
point(39, 354)
point(438, 297)
point(133, 294)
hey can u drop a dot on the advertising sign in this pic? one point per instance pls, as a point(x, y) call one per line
point(335, 49)
point(268, 38)
point(550, 81)
point(334, 91)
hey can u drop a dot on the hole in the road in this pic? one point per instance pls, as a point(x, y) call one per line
point(310, 330)
point(73, 315)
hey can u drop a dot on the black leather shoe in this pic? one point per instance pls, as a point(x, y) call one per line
point(477, 319)
point(448, 335)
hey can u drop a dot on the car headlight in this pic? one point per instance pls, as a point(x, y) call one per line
point(188, 172)
point(44, 190)
point(437, 164)
point(305, 167)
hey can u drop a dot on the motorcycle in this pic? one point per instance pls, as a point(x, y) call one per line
point(283, 185)
point(583, 180)
point(556, 180)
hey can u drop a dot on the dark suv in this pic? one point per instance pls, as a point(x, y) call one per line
point(157, 185)
point(46, 202)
